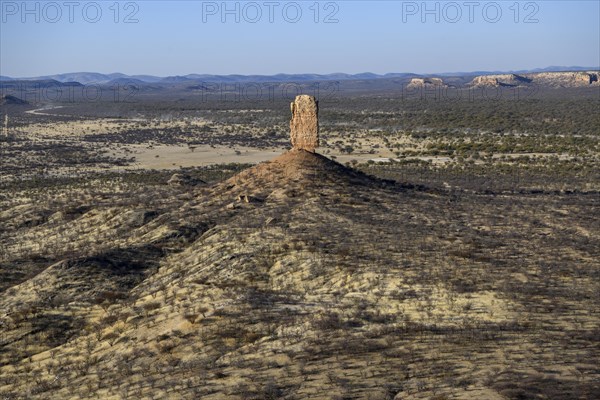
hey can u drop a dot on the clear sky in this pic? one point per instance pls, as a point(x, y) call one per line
point(181, 37)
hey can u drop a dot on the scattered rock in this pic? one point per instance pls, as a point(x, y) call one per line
point(179, 179)
point(244, 198)
point(270, 221)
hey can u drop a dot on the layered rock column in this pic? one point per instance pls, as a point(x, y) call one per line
point(304, 126)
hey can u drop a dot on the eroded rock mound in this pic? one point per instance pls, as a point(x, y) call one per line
point(500, 80)
point(304, 125)
point(546, 79)
point(568, 79)
point(426, 83)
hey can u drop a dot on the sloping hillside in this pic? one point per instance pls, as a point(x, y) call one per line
point(299, 278)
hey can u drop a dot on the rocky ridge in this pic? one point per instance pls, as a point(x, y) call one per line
point(549, 79)
point(426, 83)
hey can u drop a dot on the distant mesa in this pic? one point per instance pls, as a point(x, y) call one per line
point(304, 126)
point(500, 80)
point(548, 79)
point(568, 79)
point(426, 83)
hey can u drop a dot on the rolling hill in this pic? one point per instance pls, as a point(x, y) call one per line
point(298, 278)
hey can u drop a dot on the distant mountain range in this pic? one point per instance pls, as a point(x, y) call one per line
point(86, 78)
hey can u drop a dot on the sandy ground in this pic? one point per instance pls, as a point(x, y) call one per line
point(170, 157)
point(368, 146)
point(74, 129)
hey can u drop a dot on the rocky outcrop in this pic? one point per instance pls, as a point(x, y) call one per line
point(500, 80)
point(546, 79)
point(179, 179)
point(426, 83)
point(567, 79)
point(304, 126)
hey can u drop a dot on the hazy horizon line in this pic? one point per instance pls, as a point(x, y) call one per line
point(311, 73)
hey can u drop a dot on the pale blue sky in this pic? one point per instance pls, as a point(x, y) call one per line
point(171, 38)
